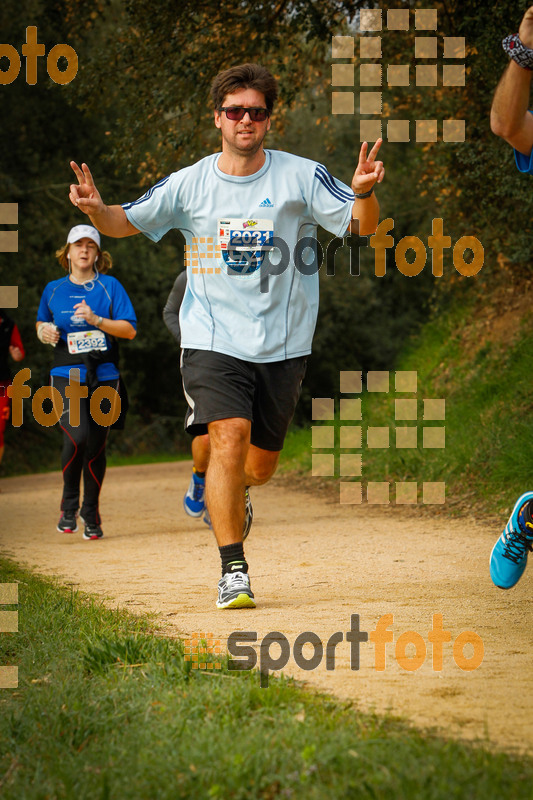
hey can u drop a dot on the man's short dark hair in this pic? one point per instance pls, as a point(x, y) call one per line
point(244, 76)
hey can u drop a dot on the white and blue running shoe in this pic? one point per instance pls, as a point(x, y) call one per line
point(508, 559)
point(194, 500)
point(248, 515)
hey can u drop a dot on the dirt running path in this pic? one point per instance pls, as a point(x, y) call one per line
point(313, 563)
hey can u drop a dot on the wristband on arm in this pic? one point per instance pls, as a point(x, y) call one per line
point(364, 194)
point(516, 49)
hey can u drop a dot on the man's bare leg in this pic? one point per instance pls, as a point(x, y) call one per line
point(260, 465)
point(200, 452)
point(226, 483)
point(226, 479)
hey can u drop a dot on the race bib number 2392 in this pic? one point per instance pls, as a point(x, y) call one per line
point(83, 341)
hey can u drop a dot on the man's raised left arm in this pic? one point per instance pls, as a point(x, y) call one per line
point(369, 172)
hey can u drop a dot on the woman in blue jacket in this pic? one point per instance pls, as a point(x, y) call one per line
point(82, 315)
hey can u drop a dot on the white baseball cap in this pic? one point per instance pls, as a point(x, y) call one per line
point(82, 232)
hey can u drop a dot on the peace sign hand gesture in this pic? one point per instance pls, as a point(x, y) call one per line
point(85, 195)
point(369, 171)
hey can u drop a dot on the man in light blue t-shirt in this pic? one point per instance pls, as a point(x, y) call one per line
point(249, 217)
point(511, 119)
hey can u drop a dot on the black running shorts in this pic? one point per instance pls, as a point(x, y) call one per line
point(218, 386)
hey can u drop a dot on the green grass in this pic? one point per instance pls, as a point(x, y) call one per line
point(117, 460)
point(486, 386)
point(296, 453)
point(489, 426)
point(106, 707)
point(114, 459)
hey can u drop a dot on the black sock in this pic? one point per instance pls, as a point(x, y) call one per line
point(197, 472)
point(232, 557)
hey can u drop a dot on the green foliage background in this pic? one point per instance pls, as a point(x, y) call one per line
point(139, 108)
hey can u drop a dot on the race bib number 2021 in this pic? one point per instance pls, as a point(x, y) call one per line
point(241, 243)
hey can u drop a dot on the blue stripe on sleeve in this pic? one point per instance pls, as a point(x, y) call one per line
point(147, 195)
point(328, 182)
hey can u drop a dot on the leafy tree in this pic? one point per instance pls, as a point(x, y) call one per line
point(139, 108)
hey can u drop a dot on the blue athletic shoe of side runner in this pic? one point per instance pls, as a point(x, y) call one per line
point(194, 500)
point(508, 559)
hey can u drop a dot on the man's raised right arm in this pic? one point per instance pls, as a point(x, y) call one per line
point(509, 116)
point(109, 220)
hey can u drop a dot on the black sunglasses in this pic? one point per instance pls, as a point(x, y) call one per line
point(236, 113)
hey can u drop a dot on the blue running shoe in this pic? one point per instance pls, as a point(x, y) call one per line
point(508, 559)
point(194, 502)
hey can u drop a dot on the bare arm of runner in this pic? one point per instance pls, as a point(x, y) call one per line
point(110, 220)
point(509, 115)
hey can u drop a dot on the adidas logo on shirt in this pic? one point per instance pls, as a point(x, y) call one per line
point(266, 203)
